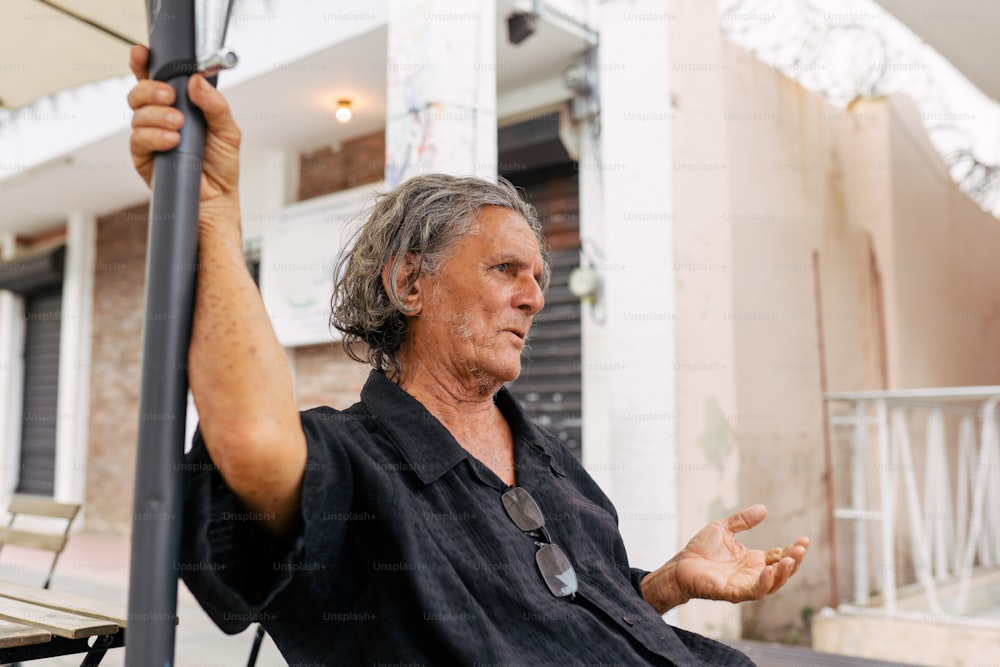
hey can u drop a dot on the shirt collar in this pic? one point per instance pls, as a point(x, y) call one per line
point(425, 443)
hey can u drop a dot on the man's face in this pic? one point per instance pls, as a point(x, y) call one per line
point(476, 311)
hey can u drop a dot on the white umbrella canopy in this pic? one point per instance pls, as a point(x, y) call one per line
point(48, 45)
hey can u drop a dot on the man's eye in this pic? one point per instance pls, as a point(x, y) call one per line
point(504, 268)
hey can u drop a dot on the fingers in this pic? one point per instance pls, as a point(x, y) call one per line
point(771, 578)
point(138, 59)
point(149, 140)
point(215, 108)
point(746, 518)
point(765, 583)
point(797, 551)
point(157, 117)
point(786, 562)
point(201, 92)
point(782, 572)
point(148, 92)
point(156, 125)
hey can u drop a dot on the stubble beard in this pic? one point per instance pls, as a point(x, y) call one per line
point(487, 384)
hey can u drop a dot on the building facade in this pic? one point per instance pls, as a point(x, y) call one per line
point(754, 246)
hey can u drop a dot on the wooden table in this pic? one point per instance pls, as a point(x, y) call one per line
point(38, 623)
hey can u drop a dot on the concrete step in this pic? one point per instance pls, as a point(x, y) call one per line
point(781, 655)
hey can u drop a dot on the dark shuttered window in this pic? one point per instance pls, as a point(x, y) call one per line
point(37, 278)
point(42, 310)
point(550, 381)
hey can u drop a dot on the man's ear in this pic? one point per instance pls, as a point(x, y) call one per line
point(407, 297)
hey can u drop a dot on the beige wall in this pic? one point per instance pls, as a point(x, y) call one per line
point(944, 317)
point(906, 282)
point(759, 189)
point(708, 453)
point(787, 204)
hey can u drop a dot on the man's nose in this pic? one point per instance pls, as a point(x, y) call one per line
point(530, 297)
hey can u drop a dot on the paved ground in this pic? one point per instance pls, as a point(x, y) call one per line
point(97, 566)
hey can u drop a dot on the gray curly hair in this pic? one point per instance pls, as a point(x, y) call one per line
point(411, 228)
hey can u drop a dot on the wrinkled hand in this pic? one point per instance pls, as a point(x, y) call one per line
point(715, 566)
point(156, 127)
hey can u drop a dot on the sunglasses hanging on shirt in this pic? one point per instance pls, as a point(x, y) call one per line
point(553, 563)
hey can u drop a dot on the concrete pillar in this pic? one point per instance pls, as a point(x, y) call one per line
point(708, 456)
point(11, 377)
point(629, 340)
point(441, 89)
point(74, 358)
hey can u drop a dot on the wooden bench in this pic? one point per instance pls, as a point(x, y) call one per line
point(23, 506)
point(39, 623)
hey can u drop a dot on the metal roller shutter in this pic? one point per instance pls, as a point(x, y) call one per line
point(42, 312)
point(550, 382)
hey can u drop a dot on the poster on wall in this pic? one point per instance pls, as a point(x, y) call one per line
point(298, 255)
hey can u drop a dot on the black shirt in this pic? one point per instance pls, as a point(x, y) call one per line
point(405, 555)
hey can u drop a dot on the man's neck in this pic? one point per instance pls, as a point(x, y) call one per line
point(468, 413)
point(457, 404)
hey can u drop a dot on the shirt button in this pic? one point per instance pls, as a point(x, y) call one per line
point(627, 619)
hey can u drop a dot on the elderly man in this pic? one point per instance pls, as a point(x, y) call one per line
point(431, 523)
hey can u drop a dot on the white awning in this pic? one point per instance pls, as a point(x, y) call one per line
point(48, 46)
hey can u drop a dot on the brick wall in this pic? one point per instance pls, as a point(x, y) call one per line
point(324, 374)
point(119, 281)
point(325, 170)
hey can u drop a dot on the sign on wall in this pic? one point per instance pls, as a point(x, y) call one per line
point(298, 255)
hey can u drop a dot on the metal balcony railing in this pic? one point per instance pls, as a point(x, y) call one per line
point(922, 496)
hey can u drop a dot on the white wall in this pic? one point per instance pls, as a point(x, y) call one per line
point(11, 378)
point(627, 365)
point(74, 358)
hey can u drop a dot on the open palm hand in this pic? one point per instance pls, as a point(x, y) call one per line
point(715, 566)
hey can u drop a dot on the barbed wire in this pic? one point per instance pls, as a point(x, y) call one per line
point(844, 55)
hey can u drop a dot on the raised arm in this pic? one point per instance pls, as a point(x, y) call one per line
point(238, 372)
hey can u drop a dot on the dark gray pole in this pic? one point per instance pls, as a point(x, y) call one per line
point(171, 260)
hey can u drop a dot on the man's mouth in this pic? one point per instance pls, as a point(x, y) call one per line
point(520, 333)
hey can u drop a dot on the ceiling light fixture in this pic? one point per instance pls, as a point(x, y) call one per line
point(343, 112)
